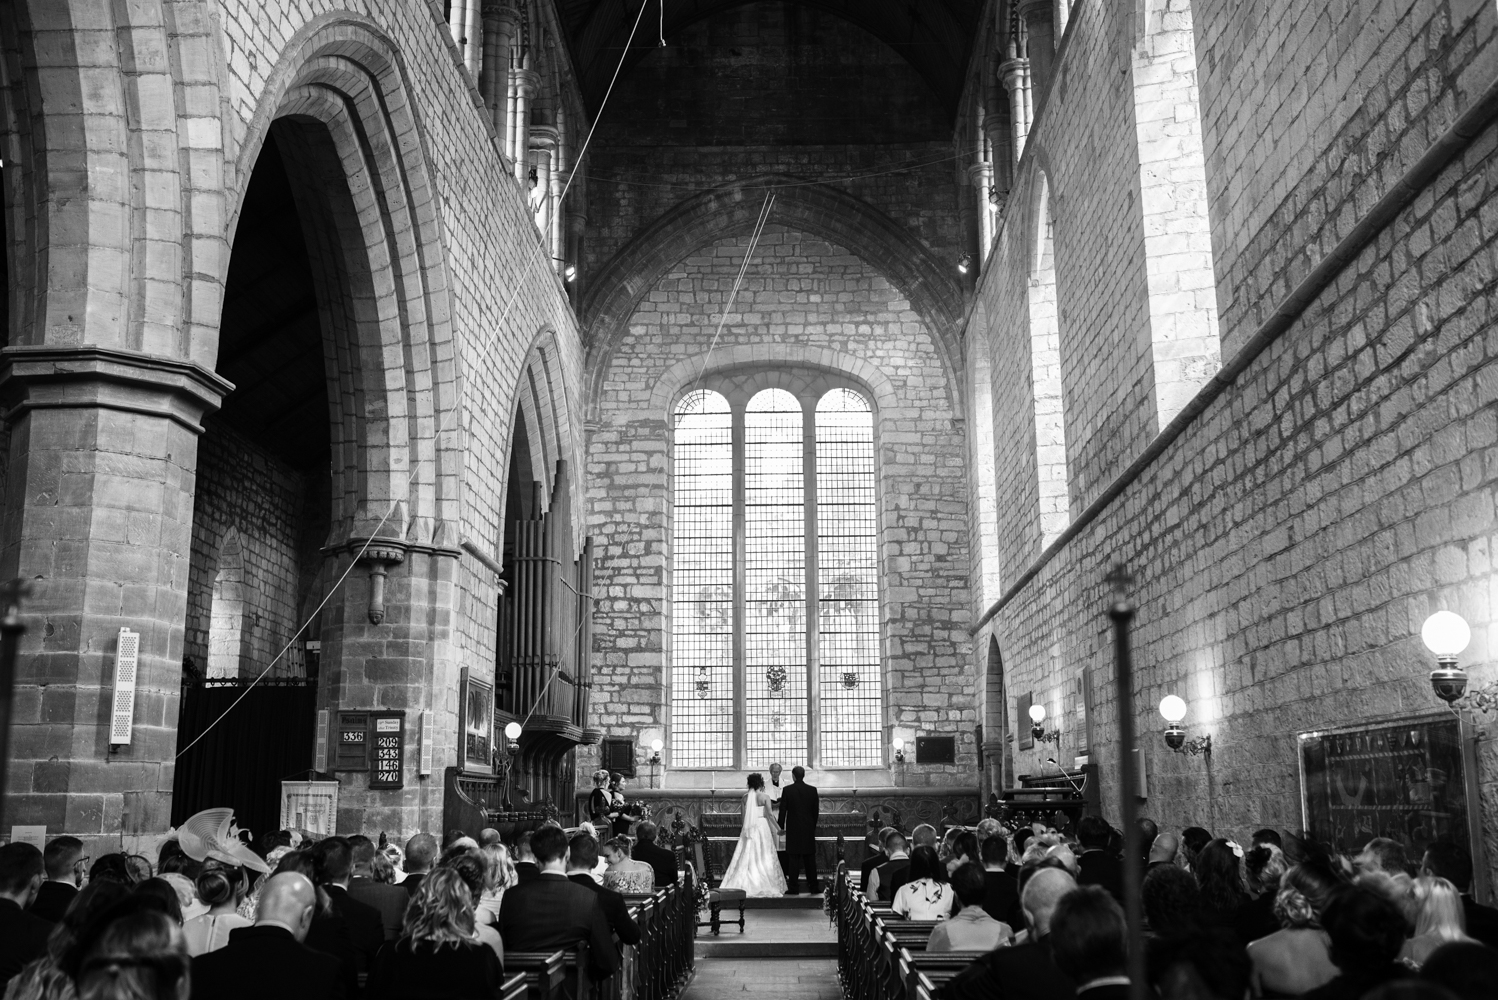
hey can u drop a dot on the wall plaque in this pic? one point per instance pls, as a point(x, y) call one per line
point(353, 742)
point(1413, 780)
point(388, 750)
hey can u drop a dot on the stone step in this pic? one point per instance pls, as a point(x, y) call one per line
point(803, 902)
point(724, 946)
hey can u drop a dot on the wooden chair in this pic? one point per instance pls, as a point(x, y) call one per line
point(717, 897)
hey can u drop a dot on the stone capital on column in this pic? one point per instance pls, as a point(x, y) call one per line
point(527, 82)
point(70, 378)
point(1040, 29)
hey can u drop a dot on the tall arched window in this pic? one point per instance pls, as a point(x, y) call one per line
point(774, 513)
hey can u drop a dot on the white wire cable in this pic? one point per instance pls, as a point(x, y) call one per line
point(759, 228)
point(484, 350)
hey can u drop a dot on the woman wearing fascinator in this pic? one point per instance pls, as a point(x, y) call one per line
point(211, 838)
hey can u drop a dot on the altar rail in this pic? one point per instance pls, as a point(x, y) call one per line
point(883, 957)
point(658, 968)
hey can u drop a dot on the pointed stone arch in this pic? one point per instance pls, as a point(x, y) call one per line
point(734, 210)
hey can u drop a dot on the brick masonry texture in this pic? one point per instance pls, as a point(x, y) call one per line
point(803, 298)
point(1289, 543)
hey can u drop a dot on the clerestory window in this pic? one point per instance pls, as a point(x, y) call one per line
point(774, 513)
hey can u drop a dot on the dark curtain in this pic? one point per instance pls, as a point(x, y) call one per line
point(242, 761)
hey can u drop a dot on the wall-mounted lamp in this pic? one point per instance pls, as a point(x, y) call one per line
point(512, 734)
point(1446, 634)
point(656, 746)
point(1037, 727)
point(1173, 709)
point(899, 750)
point(569, 270)
point(965, 263)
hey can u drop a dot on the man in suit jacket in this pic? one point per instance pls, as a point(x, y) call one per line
point(653, 854)
point(389, 900)
point(890, 874)
point(876, 857)
point(1000, 896)
point(421, 851)
point(526, 868)
point(269, 959)
point(1097, 865)
point(1090, 941)
point(23, 935)
point(799, 810)
point(333, 861)
point(61, 859)
point(582, 858)
point(551, 912)
point(1028, 971)
point(1450, 861)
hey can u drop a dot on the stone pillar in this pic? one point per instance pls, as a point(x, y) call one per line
point(527, 81)
point(99, 506)
point(1016, 76)
point(577, 225)
point(473, 36)
point(1038, 16)
point(1000, 143)
point(558, 187)
point(542, 158)
point(500, 25)
point(980, 174)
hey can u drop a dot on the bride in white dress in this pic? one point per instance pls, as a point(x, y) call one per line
point(755, 867)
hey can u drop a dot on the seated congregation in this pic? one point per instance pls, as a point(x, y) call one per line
point(1035, 913)
point(344, 918)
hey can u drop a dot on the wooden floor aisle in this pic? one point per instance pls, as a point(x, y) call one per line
point(742, 978)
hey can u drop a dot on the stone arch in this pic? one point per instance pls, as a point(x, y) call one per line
point(340, 101)
point(733, 211)
point(544, 400)
point(226, 621)
point(679, 377)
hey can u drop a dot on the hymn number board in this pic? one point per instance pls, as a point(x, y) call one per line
point(373, 742)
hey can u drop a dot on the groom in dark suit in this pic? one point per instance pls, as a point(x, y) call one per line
point(799, 807)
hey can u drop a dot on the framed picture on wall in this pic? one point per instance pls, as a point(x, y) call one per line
point(476, 724)
point(1411, 779)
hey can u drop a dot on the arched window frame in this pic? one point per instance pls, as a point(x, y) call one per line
point(809, 387)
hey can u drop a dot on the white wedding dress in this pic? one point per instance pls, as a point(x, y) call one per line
point(755, 867)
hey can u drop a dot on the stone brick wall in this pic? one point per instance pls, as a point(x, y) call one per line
point(281, 519)
point(805, 303)
point(1288, 544)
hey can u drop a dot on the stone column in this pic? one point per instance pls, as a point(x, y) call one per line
point(1015, 73)
point(981, 176)
point(98, 521)
point(500, 24)
point(1038, 16)
point(527, 81)
point(543, 148)
point(558, 186)
point(1001, 145)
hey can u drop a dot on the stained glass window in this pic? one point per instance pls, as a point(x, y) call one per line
point(702, 583)
point(847, 583)
point(754, 544)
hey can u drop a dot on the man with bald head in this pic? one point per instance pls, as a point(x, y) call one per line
point(1027, 971)
point(1163, 851)
point(269, 960)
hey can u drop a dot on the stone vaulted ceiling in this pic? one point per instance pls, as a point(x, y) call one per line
point(934, 35)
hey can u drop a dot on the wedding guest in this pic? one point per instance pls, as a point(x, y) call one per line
point(649, 850)
point(221, 887)
point(470, 866)
point(1163, 851)
point(1172, 902)
point(971, 929)
point(1451, 862)
point(499, 875)
point(526, 868)
point(550, 912)
point(1090, 941)
point(963, 849)
point(1001, 894)
point(1382, 854)
point(1025, 971)
point(582, 857)
point(421, 851)
point(619, 814)
point(1438, 919)
point(139, 955)
point(1097, 866)
point(625, 874)
point(47, 977)
point(269, 960)
point(1219, 876)
point(889, 876)
point(927, 895)
point(1193, 839)
point(1468, 969)
point(1297, 958)
point(1367, 931)
point(365, 886)
point(437, 956)
point(1264, 865)
point(875, 857)
point(62, 858)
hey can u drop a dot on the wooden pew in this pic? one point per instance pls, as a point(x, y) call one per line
point(932, 969)
point(544, 972)
point(513, 987)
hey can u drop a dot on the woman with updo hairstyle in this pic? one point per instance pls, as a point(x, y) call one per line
point(437, 956)
point(139, 956)
point(599, 800)
point(221, 887)
point(1297, 958)
point(1263, 867)
point(624, 874)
